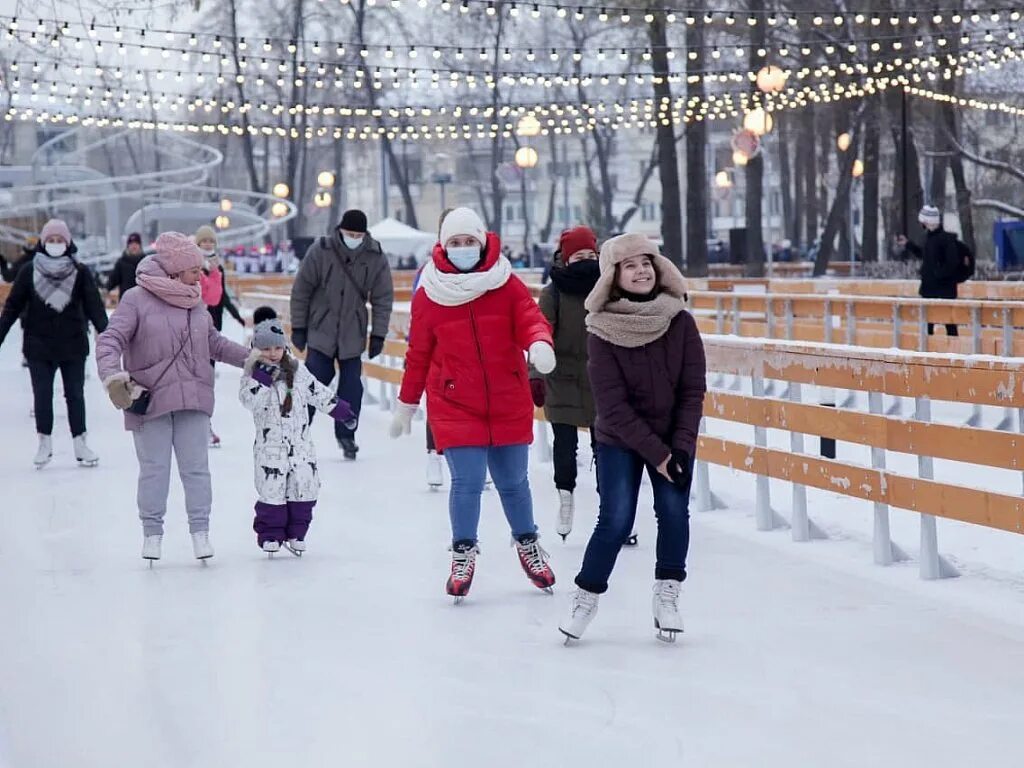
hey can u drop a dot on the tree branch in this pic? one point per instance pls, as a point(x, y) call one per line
point(999, 205)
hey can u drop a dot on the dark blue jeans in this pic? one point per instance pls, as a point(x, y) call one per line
point(350, 385)
point(619, 471)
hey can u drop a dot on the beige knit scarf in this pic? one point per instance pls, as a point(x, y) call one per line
point(634, 323)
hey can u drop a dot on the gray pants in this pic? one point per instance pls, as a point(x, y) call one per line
point(188, 433)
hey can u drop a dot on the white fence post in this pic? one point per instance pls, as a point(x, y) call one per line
point(804, 529)
point(933, 565)
point(707, 501)
point(767, 518)
point(975, 418)
point(1006, 423)
point(886, 552)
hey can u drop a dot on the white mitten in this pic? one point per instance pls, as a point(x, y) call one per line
point(401, 423)
point(542, 357)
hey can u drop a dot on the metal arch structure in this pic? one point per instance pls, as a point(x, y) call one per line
point(180, 190)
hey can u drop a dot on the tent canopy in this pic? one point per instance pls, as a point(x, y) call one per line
point(402, 240)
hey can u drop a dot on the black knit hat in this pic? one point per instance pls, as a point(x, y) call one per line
point(134, 237)
point(354, 221)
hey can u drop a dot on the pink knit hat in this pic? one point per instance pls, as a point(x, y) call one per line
point(55, 227)
point(176, 253)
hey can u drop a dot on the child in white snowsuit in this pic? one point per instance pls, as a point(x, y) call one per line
point(281, 393)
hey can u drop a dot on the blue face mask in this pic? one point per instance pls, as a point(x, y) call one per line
point(464, 257)
point(352, 243)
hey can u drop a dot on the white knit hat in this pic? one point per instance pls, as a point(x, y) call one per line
point(930, 215)
point(463, 221)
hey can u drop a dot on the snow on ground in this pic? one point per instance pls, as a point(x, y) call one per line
point(794, 654)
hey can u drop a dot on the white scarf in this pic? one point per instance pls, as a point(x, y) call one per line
point(453, 289)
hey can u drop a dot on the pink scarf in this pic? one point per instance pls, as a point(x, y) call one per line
point(151, 276)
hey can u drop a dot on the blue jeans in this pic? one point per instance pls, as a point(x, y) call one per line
point(619, 471)
point(350, 385)
point(508, 465)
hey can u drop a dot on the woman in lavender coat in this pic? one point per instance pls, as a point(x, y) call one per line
point(160, 340)
point(647, 372)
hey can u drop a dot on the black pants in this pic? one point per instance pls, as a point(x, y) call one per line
point(350, 385)
point(72, 372)
point(564, 454)
point(430, 438)
point(951, 329)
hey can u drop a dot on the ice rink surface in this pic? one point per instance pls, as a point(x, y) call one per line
point(794, 655)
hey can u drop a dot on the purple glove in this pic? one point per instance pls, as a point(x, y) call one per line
point(343, 412)
point(263, 375)
point(538, 391)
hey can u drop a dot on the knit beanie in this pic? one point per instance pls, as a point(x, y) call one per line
point(205, 232)
point(930, 215)
point(134, 237)
point(353, 220)
point(176, 253)
point(575, 240)
point(269, 333)
point(462, 221)
point(55, 227)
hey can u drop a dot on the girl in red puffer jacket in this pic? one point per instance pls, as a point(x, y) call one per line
point(473, 321)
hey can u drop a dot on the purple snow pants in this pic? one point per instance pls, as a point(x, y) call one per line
point(278, 522)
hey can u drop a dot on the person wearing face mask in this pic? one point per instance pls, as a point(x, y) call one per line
point(154, 360)
point(473, 321)
point(940, 261)
point(565, 393)
point(340, 274)
point(122, 276)
point(215, 292)
point(647, 371)
point(58, 298)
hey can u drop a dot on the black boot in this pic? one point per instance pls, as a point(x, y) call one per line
point(348, 447)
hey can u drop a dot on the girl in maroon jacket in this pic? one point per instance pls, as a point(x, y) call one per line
point(474, 320)
point(647, 373)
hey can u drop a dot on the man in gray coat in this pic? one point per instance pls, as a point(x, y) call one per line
point(340, 274)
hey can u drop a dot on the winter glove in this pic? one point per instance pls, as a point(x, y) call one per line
point(299, 338)
point(263, 374)
point(120, 390)
point(679, 467)
point(542, 357)
point(376, 346)
point(343, 412)
point(539, 392)
point(401, 424)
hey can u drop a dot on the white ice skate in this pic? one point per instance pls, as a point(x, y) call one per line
point(271, 547)
point(566, 511)
point(44, 453)
point(581, 613)
point(84, 454)
point(296, 546)
point(435, 470)
point(201, 547)
point(151, 546)
point(667, 620)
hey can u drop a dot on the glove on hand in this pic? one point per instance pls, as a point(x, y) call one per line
point(679, 467)
point(376, 346)
point(539, 392)
point(299, 338)
point(401, 424)
point(542, 357)
point(263, 374)
point(120, 390)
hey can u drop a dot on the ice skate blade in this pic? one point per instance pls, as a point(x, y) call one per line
point(548, 590)
point(564, 536)
point(666, 635)
point(88, 464)
point(151, 561)
point(569, 639)
point(296, 552)
point(457, 599)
